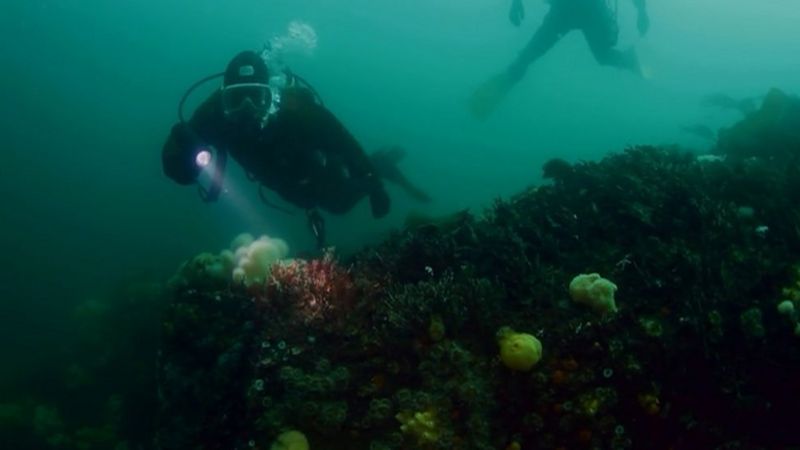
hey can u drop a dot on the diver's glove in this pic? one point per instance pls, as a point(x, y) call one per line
point(178, 155)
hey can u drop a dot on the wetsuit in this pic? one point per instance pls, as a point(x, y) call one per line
point(303, 153)
point(598, 22)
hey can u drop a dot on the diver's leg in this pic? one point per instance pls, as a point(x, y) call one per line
point(601, 31)
point(486, 98)
point(385, 160)
point(613, 57)
point(551, 30)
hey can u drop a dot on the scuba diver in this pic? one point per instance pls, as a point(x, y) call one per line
point(595, 18)
point(285, 139)
point(770, 132)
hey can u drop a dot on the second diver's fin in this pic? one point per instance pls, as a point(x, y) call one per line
point(385, 162)
point(489, 95)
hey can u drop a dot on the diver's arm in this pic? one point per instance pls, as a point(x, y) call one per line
point(329, 134)
point(326, 134)
point(177, 157)
point(643, 19)
point(343, 143)
point(516, 13)
point(181, 146)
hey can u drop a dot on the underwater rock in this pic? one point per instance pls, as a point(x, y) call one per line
point(698, 358)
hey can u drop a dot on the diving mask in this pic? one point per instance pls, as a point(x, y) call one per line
point(247, 99)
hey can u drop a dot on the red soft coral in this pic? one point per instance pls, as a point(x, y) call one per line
point(315, 289)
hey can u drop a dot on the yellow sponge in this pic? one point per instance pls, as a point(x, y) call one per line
point(518, 351)
point(290, 440)
point(595, 291)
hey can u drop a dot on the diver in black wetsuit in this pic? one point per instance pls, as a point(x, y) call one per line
point(286, 140)
point(595, 18)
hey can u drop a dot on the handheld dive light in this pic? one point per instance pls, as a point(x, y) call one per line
point(211, 165)
point(202, 158)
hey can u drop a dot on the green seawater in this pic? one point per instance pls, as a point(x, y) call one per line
point(91, 89)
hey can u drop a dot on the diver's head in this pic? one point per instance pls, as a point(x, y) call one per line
point(246, 96)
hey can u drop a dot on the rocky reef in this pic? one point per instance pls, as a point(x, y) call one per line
point(396, 347)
